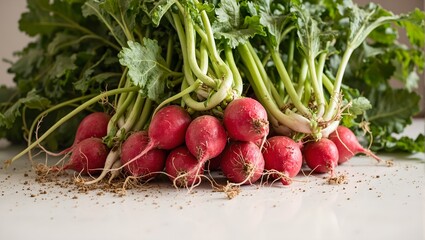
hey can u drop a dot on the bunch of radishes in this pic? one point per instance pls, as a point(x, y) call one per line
point(183, 147)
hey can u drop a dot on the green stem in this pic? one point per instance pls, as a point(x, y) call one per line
point(121, 109)
point(317, 89)
point(334, 99)
point(144, 116)
point(191, 53)
point(292, 120)
point(268, 83)
point(295, 99)
point(328, 84)
point(185, 91)
point(51, 109)
point(237, 79)
point(132, 117)
point(302, 77)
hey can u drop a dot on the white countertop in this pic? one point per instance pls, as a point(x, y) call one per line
point(376, 202)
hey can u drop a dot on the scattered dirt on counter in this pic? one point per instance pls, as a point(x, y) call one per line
point(337, 180)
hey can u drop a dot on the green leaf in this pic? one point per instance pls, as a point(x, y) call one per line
point(232, 26)
point(276, 18)
point(414, 24)
point(157, 9)
point(359, 106)
point(146, 67)
point(32, 101)
point(118, 16)
point(45, 17)
point(403, 144)
point(392, 108)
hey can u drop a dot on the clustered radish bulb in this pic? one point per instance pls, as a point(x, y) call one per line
point(321, 156)
point(245, 119)
point(283, 155)
point(206, 137)
point(144, 167)
point(348, 145)
point(88, 156)
point(242, 162)
point(179, 163)
point(93, 125)
point(167, 129)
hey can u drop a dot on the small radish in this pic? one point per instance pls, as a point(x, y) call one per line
point(321, 156)
point(88, 156)
point(93, 125)
point(167, 129)
point(179, 162)
point(282, 154)
point(242, 162)
point(245, 119)
point(147, 166)
point(205, 138)
point(348, 145)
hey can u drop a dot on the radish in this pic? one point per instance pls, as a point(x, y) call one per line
point(245, 119)
point(179, 162)
point(282, 155)
point(242, 162)
point(321, 156)
point(93, 125)
point(88, 156)
point(166, 130)
point(205, 138)
point(348, 145)
point(147, 166)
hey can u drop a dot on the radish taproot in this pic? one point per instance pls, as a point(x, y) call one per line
point(245, 119)
point(144, 167)
point(348, 145)
point(88, 156)
point(283, 158)
point(321, 156)
point(242, 162)
point(180, 162)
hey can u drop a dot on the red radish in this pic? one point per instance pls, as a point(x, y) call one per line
point(88, 156)
point(245, 119)
point(321, 156)
point(348, 145)
point(147, 166)
point(179, 162)
point(167, 129)
point(282, 154)
point(93, 125)
point(242, 162)
point(205, 138)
